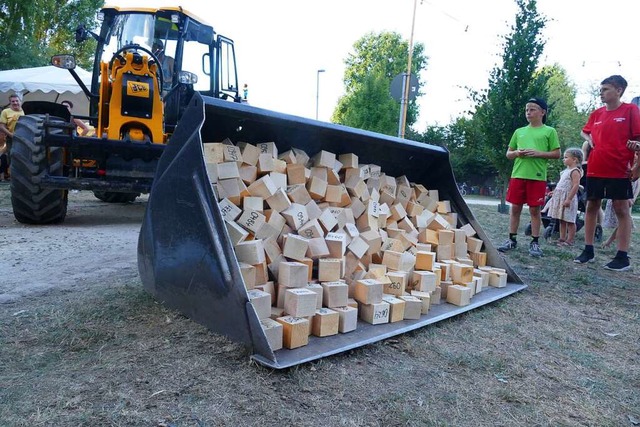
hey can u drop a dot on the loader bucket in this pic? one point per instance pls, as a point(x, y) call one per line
point(185, 255)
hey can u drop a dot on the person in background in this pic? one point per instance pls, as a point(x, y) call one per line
point(166, 62)
point(613, 131)
point(8, 119)
point(531, 147)
point(82, 126)
point(610, 220)
point(586, 150)
point(4, 158)
point(563, 204)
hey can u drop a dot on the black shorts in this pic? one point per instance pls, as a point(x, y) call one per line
point(609, 188)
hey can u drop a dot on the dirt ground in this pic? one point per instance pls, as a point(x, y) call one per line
point(82, 344)
point(97, 242)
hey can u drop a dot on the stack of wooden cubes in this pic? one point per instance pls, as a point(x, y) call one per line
point(323, 241)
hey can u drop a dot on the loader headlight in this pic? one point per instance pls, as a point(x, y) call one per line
point(187, 78)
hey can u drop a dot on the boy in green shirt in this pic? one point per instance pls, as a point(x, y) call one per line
point(531, 147)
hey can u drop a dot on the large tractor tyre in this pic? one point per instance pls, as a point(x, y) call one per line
point(111, 197)
point(31, 161)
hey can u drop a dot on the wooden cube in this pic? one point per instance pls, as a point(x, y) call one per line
point(317, 288)
point(274, 332)
point(251, 220)
point(325, 322)
point(300, 302)
point(348, 318)
point(337, 244)
point(425, 281)
point(376, 313)
point(425, 298)
point(263, 187)
point(396, 308)
point(250, 252)
point(329, 269)
point(295, 331)
point(335, 294)
point(295, 215)
point(368, 291)
point(461, 273)
point(295, 247)
point(497, 279)
point(459, 295)
point(412, 307)
point(425, 260)
point(261, 302)
point(293, 274)
point(397, 284)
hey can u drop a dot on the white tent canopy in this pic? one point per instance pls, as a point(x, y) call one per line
point(46, 84)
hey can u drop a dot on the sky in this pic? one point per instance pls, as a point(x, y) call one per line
point(281, 44)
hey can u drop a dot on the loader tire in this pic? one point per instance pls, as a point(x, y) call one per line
point(30, 161)
point(111, 197)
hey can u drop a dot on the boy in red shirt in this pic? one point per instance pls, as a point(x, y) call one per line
point(612, 131)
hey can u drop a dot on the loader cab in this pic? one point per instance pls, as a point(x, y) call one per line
point(192, 57)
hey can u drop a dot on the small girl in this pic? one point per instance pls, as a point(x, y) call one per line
point(563, 204)
point(610, 219)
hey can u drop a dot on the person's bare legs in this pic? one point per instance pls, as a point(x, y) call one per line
point(621, 208)
point(536, 220)
point(563, 231)
point(590, 220)
point(514, 219)
point(611, 238)
point(571, 232)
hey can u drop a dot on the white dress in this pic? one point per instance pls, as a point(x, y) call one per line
point(554, 206)
point(610, 220)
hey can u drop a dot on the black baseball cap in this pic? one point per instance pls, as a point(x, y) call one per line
point(542, 104)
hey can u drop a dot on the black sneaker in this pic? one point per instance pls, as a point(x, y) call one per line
point(618, 264)
point(584, 258)
point(534, 249)
point(507, 246)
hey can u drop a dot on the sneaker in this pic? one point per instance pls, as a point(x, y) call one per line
point(584, 258)
point(618, 264)
point(507, 246)
point(534, 249)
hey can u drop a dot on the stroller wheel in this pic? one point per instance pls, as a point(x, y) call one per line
point(548, 231)
point(527, 230)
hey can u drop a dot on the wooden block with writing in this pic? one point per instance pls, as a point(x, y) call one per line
point(261, 302)
point(396, 308)
point(295, 331)
point(251, 220)
point(412, 307)
point(368, 291)
point(274, 333)
point(425, 298)
point(229, 210)
point(376, 313)
point(300, 302)
point(317, 288)
point(337, 244)
point(335, 294)
point(459, 295)
point(348, 318)
point(325, 322)
point(293, 274)
point(425, 281)
point(295, 215)
point(397, 284)
point(329, 269)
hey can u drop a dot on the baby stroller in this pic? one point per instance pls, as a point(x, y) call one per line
point(552, 226)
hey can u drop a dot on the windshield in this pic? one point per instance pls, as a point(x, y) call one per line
point(154, 34)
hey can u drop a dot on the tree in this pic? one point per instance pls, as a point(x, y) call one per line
point(563, 112)
point(500, 109)
point(32, 31)
point(377, 59)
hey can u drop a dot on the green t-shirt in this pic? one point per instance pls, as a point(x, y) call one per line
point(542, 138)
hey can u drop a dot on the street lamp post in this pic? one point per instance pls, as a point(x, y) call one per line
point(318, 90)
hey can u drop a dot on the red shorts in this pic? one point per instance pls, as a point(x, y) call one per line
point(527, 191)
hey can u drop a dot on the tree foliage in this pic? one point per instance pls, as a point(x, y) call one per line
point(376, 60)
point(32, 31)
point(500, 109)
